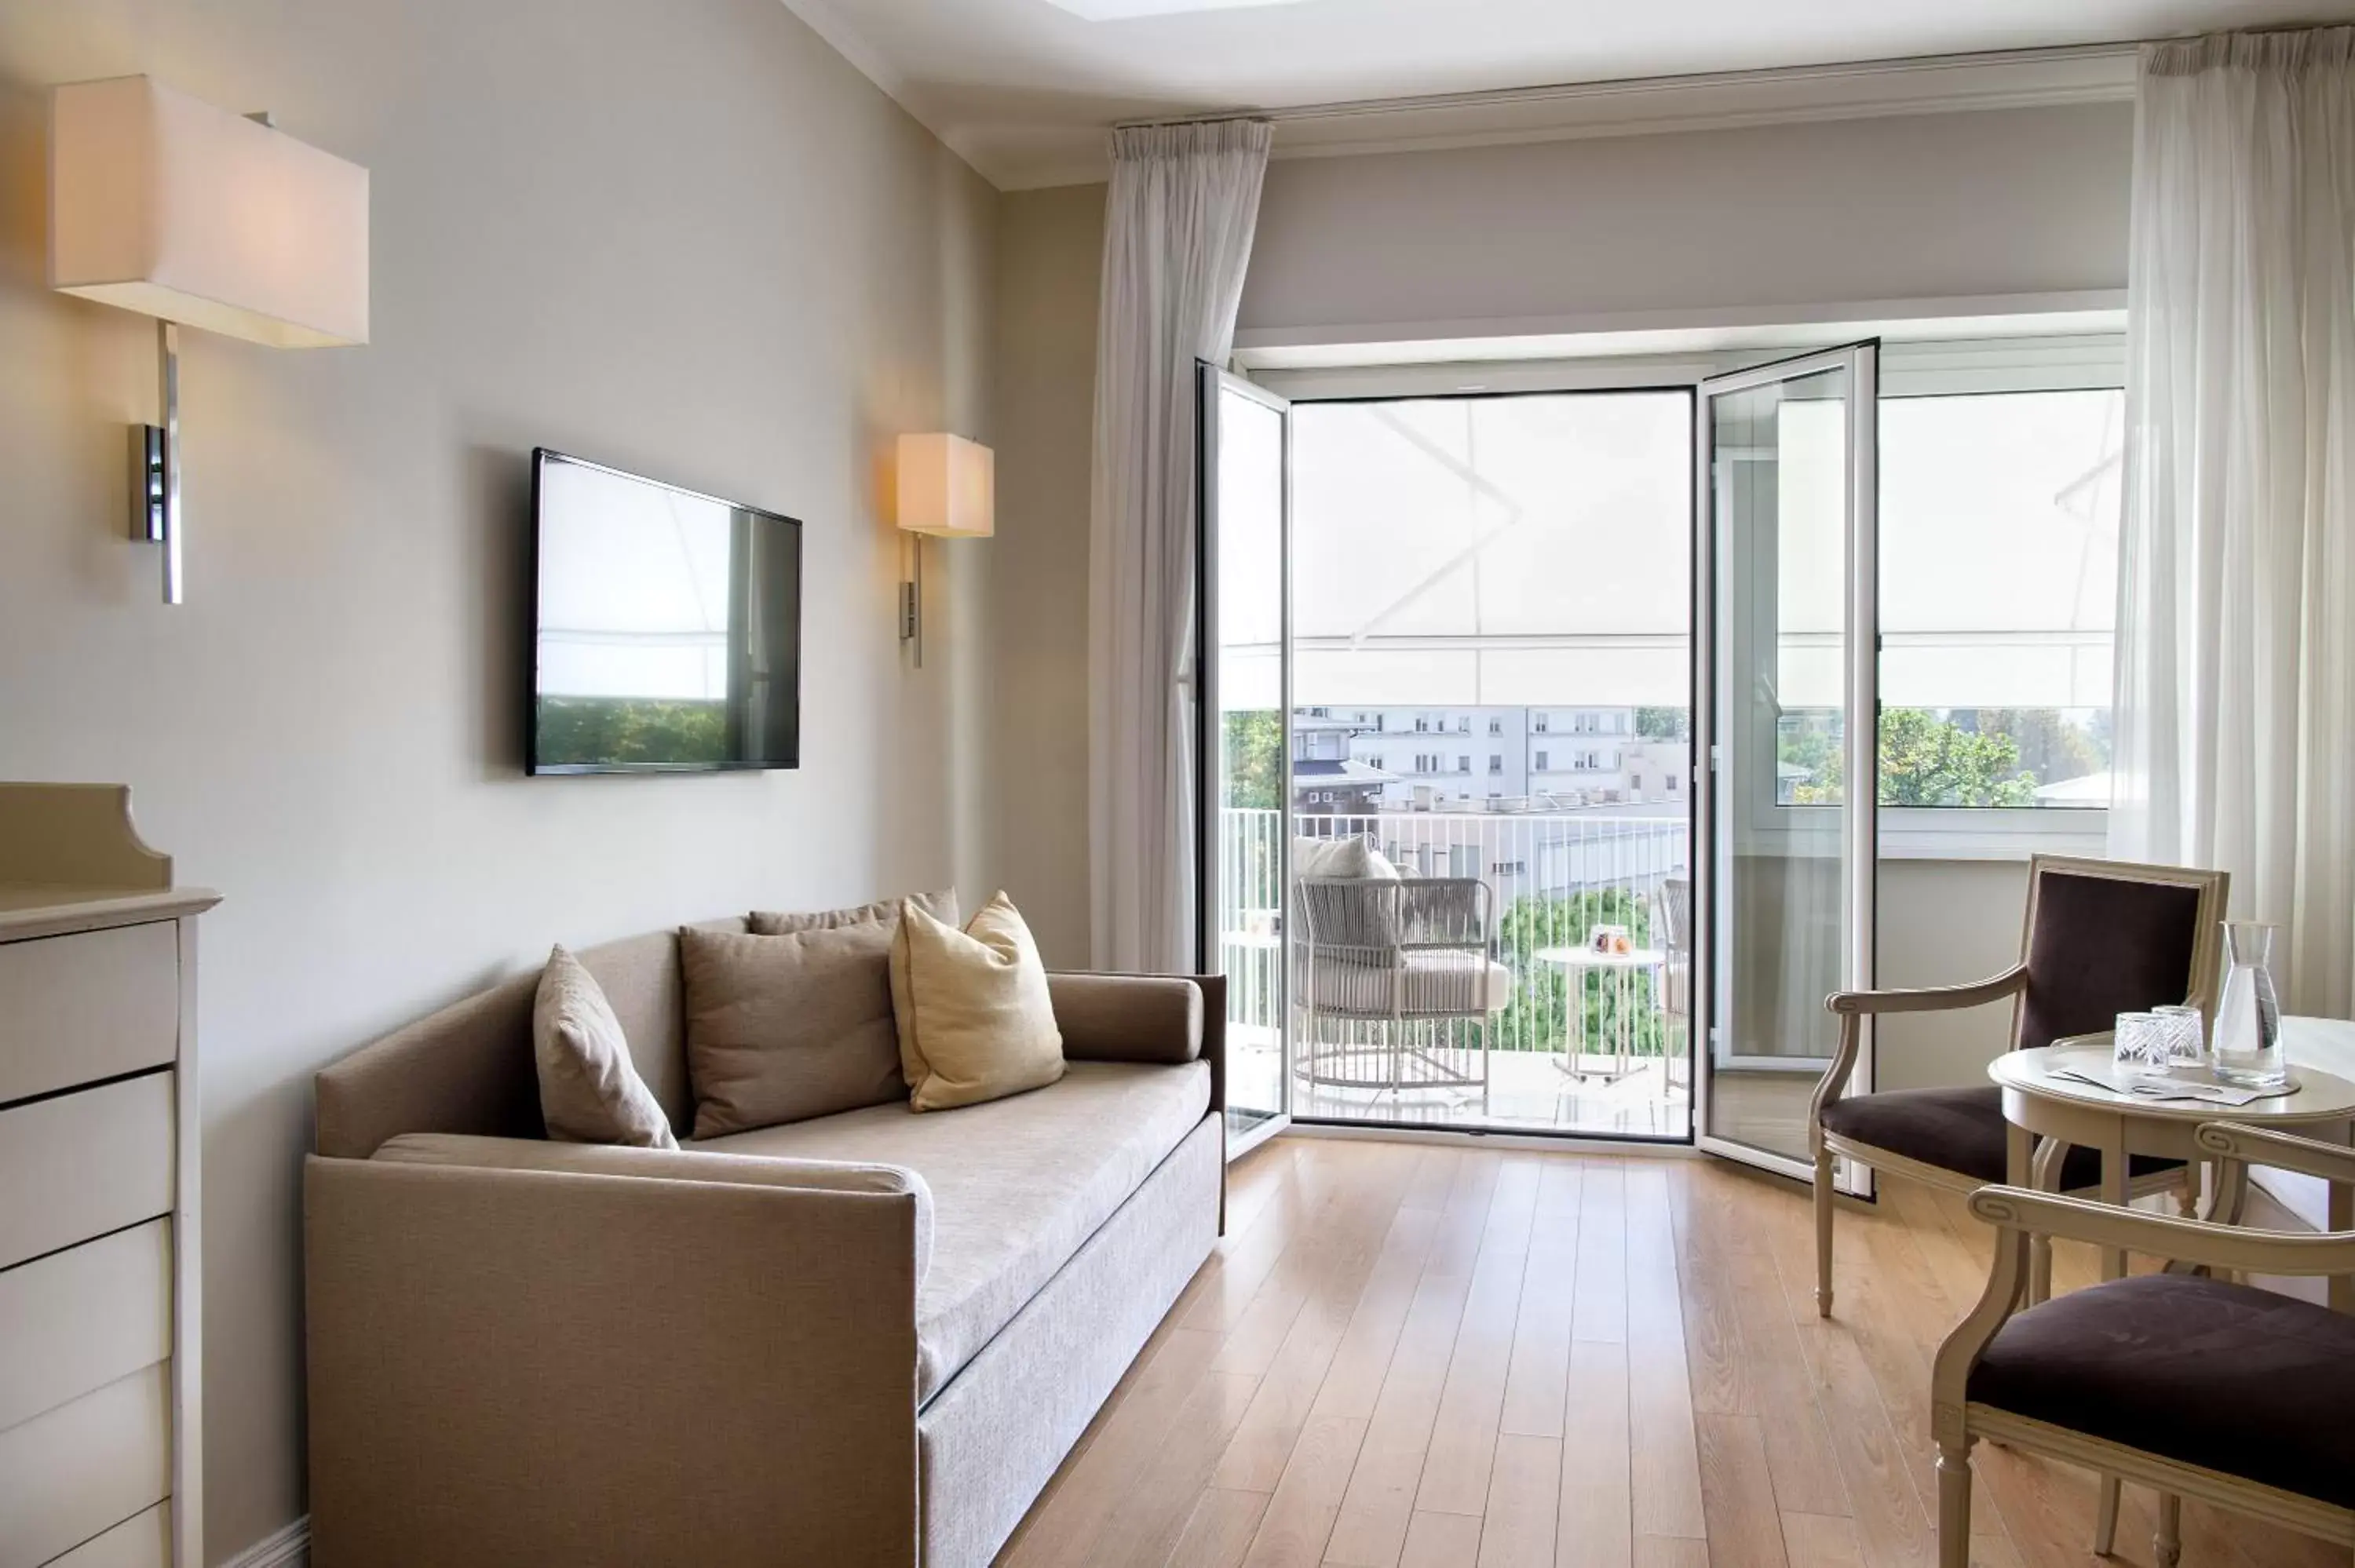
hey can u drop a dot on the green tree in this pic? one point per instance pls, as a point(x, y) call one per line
point(2052, 748)
point(1255, 759)
point(1664, 723)
point(1925, 760)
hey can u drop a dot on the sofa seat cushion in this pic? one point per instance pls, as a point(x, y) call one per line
point(2224, 1376)
point(1017, 1185)
point(1962, 1131)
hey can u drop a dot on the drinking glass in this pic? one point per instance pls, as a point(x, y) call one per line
point(2187, 1036)
point(2138, 1043)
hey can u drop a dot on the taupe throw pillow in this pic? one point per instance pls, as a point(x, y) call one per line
point(976, 1021)
point(590, 1091)
point(940, 905)
point(793, 1020)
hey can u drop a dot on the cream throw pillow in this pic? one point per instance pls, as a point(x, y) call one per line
point(590, 1091)
point(975, 1021)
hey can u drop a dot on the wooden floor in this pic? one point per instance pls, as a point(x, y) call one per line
point(1434, 1356)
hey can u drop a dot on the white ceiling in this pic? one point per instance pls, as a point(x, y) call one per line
point(1024, 89)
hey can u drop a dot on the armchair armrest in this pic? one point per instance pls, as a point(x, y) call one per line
point(2239, 1145)
point(538, 1366)
point(1128, 1017)
point(1850, 1006)
point(1930, 999)
point(2202, 1241)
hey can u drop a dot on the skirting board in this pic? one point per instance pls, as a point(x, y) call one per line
point(287, 1548)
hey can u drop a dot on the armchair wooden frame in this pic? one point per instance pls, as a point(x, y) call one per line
point(2020, 1216)
point(1852, 1007)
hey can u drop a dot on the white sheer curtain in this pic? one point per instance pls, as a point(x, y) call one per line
point(1178, 237)
point(2235, 739)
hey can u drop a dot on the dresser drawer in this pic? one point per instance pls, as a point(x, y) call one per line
point(79, 1320)
point(143, 1540)
point(71, 1473)
point(92, 1005)
point(83, 1164)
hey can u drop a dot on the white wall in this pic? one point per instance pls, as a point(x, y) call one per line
point(1771, 222)
point(685, 238)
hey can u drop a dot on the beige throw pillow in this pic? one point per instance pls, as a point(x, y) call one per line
point(590, 1091)
point(975, 1021)
point(786, 1028)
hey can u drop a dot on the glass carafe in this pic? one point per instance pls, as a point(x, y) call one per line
point(2247, 1049)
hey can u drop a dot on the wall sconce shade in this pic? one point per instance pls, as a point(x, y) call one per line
point(947, 487)
point(164, 205)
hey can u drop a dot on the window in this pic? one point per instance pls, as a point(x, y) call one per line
point(1540, 726)
point(1543, 764)
point(1508, 868)
point(1428, 762)
point(1999, 513)
point(1463, 763)
point(1496, 726)
point(1422, 725)
point(1635, 781)
point(1464, 725)
point(1495, 762)
point(1374, 760)
point(1672, 783)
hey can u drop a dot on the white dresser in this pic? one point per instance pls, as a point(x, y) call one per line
point(100, 1427)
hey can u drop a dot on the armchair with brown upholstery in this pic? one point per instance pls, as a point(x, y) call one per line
point(2103, 937)
point(2184, 1381)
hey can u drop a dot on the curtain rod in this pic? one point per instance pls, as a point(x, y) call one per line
point(1633, 86)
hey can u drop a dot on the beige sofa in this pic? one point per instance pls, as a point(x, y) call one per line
point(864, 1338)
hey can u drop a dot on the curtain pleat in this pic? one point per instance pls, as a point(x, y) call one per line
point(2235, 703)
point(1179, 222)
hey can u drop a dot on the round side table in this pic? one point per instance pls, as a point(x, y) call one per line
point(2063, 1111)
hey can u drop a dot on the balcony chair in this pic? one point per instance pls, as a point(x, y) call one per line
point(2103, 937)
point(2200, 1387)
point(1674, 933)
point(1394, 952)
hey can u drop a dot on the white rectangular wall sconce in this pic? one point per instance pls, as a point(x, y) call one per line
point(162, 204)
point(947, 488)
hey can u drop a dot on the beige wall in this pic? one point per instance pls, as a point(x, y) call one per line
point(683, 237)
point(1049, 253)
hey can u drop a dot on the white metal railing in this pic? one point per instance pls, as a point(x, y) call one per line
point(1553, 877)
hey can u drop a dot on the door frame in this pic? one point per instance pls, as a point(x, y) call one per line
point(1209, 382)
point(1861, 732)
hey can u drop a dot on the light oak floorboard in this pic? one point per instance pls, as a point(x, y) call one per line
point(1461, 1358)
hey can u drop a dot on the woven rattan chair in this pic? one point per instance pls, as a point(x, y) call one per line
point(1395, 953)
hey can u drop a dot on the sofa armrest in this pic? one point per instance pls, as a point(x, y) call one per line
point(1128, 1017)
point(541, 1367)
point(671, 1164)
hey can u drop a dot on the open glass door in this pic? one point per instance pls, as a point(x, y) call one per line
point(1787, 710)
point(1244, 497)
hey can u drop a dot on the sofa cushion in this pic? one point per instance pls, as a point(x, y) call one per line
point(588, 1090)
point(2210, 1373)
point(940, 905)
point(1017, 1185)
point(788, 1027)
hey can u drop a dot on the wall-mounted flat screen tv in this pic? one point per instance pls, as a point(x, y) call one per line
point(666, 627)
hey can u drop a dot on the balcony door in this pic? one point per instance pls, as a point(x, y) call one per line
point(1786, 672)
point(1243, 490)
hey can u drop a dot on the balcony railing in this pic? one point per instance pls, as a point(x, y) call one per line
point(1553, 878)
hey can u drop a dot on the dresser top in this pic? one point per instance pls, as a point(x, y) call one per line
point(47, 909)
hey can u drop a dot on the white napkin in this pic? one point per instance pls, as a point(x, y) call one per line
point(2173, 1088)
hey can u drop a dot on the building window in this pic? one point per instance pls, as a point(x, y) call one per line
point(1495, 762)
point(1508, 868)
point(1463, 763)
point(1496, 726)
point(1375, 760)
point(1672, 783)
point(1543, 764)
point(1542, 723)
point(1635, 783)
point(1422, 725)
point(1464, 724)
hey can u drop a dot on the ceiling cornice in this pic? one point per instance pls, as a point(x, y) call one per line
point(2017, 78)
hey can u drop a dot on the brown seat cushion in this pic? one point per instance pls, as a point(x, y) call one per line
point(1960, 1131)
point(2223, 1376)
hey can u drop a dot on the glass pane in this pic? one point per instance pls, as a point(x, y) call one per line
point(1492, 610)
point(1248, 865)
point(1779, 459)
point(1998, 590)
